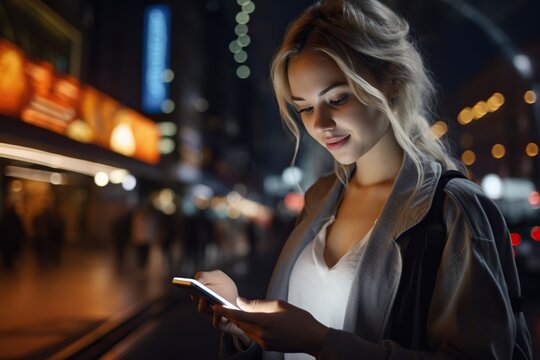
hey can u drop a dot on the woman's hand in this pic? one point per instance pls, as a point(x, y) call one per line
point(219, 282)
point(277, 325)
point(222, 284)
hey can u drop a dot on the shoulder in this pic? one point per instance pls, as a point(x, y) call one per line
point(467, 200)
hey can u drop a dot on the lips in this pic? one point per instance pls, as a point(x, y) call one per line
point(335, 143)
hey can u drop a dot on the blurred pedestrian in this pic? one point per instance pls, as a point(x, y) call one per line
point(121, 230)
point(49, 229)
point(143, 233)
point(168, 226)
point(12, 235)
point(198, 235)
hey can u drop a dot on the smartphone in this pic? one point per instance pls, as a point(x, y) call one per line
point(197, 288)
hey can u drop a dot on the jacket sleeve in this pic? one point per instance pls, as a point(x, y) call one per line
point(470, 316)
point(231, 349)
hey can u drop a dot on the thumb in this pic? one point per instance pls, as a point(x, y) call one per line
point(200, 276)
point(261, 306)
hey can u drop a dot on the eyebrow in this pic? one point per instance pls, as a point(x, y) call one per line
point(324, 91)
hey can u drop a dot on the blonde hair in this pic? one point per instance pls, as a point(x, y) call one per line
point(356, 33)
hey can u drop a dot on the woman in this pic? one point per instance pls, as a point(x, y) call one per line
point(348, 71)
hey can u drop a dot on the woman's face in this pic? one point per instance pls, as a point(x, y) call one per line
point(331, 114)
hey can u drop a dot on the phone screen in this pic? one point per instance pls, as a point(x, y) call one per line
point(197, 288)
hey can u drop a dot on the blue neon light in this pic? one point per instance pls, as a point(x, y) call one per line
point(156, 47)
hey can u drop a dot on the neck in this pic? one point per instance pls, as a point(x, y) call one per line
point(381, 164)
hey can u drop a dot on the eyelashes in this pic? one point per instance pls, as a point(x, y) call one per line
point(306, 109)
point(339, 101)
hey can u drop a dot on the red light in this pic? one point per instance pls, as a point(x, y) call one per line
point(535, 233)
point(516, 239)
point(534, 199)
point(294, 202)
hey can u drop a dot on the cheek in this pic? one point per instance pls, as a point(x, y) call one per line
point(370, 123)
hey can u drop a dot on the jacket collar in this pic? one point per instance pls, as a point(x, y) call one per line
point(381, 259)
point(403, 209)
point(406, 204)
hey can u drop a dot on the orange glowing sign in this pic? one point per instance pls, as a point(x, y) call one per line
point(33, 92)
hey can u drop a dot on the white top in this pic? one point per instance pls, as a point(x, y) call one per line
point(322, 291)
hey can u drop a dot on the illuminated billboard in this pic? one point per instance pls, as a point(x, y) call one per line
point(34, 93)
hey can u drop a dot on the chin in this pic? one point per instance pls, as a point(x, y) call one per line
point(344, 161)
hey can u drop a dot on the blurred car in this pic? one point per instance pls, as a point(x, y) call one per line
point(519, 203)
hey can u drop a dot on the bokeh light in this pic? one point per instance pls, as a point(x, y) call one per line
point(529, 97)
point(531, 149)
point(243, 72)
point(468, 157)
point(498, 151)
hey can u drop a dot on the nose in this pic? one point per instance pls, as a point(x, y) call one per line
point(323, 120)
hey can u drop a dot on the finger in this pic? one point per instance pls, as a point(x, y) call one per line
point(236, 315)
point(230, 327)
point(258, 306)
point(203, 306)
point(251, 330)
point(216, 320)
point(200, 276)
point(209, 277)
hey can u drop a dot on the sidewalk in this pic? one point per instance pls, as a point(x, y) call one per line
point(44, 310)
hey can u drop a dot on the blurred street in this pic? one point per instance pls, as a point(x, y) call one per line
point(89, 308)
point(107, 314)
point(43, 310)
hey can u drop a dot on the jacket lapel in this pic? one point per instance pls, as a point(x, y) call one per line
point(379, 272)
point(317, 213)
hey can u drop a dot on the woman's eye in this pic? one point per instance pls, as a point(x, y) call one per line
point(307, 109)
point(340, 100)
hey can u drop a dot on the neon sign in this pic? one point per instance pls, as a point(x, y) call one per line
point(155, 90)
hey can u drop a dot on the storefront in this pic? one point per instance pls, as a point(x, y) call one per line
point(64, 145)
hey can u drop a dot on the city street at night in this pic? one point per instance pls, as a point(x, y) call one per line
point(389, 150)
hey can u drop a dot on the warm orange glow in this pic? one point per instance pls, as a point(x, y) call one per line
point(33, 92)
point(531, 149)
point(80, 131)
point(439, 129)
point(146, 136)
point(67, 88)
point(41, 77)
point(122, 140)
point(498, 151)
point(48, 114)
point(480, 109)
point(465, 116)
point(495, 102)
point(13, 82)
point(468, 157)
point(529, 97)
